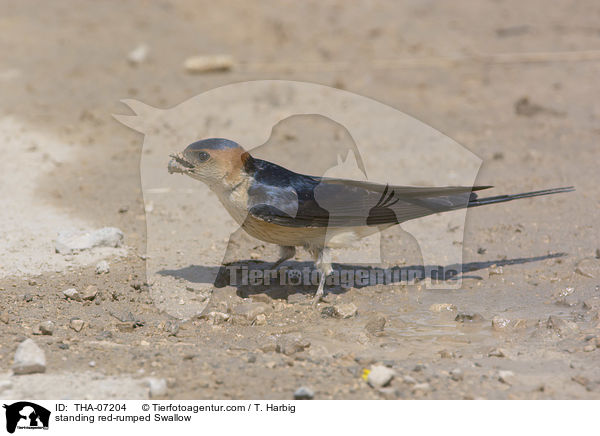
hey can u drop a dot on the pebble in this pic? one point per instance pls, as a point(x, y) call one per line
point(499, 323)
point(171, 327)
point(137, 56)
point(304, 393)
point(589, 348)
point(69, 241)
point(29, 358)
point(5, 385)
point(497, 352)
point(102, 267)
point(468, 317)
point(409, 380)
point(47, 328)
point(4, 317)
point(250, 310)
point(76, 324)
point(346, 310)
point(423, 387)
point(216, 318)
point(560, 326)
point(204, 64)
point(380, 376)
point(92, 363)
point(420, 367)
point(456, 374)
point(442, 307)
point(260, 319)
point(588, 267)
point(505, 376)
point(72, 294)
point(289, 344)
point(158, 387)
point(495, 271)
point(261, 298)
point(90, 293)
point(375, 324)
point(445, 354)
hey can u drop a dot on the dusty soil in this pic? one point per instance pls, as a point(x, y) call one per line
point(514, 86)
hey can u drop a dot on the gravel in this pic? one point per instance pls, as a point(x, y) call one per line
point(304, 393)
point(69, 242)
point(29, 358)
point(380, 376)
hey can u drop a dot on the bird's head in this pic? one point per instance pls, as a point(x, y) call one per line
point(217, 162)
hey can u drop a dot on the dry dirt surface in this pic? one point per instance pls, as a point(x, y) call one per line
point(516, 87)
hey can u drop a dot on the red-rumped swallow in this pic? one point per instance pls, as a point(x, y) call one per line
point(279, 206)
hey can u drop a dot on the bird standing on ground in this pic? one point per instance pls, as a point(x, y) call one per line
point(279, 206)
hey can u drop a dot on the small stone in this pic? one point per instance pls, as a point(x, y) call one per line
point(216, 318)
point(589, 348)
point(69, 241)
point(409, 380)
point(497, 352)
point(29, 358)
point(499, 323)
point(445, 354)
point(375, 324)
point(250, 311)
point(346, 310)
point(89, 293)
point(47, 328)
point(171, 327)
point(328, 312)
point(588, 267)
point(560, 326)
point(205, 64)
point(495, 271)
point(304, 393)
point(251, 358)
point(158, 387)
point(137, 56)
point(4, 317)
point(442, 307)
point(422, 387)
point(269, 347)
point(260, 319)
point(419, 367)
point(568, 301)
point(505, 376)
point(289, 345)
point(468, 317)
point(456, 374)
point(102, 267)
point(261, 298)
point(92, 363)
point(5, 385)
point(126, 327)
point(380, 376)
point(76, 324)
point(72, 294)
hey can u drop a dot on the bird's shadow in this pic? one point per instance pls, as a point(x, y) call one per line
point(249, 277)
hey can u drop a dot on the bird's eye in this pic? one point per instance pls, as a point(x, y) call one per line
point(203, 156)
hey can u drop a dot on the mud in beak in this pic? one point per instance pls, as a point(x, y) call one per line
point(179, 165)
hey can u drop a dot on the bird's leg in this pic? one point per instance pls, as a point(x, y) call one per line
point(285, 253)
point(324, 266)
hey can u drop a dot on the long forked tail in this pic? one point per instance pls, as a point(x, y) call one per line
point(474, 201)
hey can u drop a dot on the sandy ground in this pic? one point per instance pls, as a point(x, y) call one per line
point(513, 86)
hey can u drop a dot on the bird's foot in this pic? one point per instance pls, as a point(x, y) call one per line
point(319, 296)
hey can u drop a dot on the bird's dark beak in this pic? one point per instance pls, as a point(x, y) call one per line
point(178, 164)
